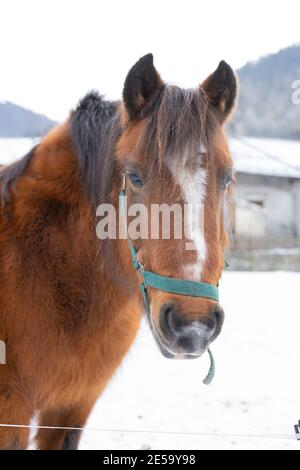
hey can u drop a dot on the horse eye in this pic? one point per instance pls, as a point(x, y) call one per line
point(135, 179)
point(227, 181)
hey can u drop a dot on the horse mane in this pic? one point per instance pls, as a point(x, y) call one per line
point(11, 173)
point(180, 123)
point(95, 127)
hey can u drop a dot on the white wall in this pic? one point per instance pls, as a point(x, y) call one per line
point(281, 205)
point(249, 221)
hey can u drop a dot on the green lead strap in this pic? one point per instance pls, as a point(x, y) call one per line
point(212, 369)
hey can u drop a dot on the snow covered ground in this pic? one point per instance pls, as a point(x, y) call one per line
point(256, 389)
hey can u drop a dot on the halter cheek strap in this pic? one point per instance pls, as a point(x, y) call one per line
point(168, 284)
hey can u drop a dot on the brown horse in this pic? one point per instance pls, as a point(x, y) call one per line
point(70, 303)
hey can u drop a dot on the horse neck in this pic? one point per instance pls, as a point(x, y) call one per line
point(82, 178)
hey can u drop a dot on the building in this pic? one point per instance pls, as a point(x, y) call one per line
point(267, 194)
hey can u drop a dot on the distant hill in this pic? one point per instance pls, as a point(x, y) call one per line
point(16, 121)
point(265, 105)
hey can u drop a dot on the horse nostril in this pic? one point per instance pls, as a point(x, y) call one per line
point(214, 320)
point(218, 317)
point(170, 321)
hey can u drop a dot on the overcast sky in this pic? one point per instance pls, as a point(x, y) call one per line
point(54, 51)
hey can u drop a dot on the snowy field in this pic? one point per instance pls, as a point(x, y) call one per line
point(256, 390)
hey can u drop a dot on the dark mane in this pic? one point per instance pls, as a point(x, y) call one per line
point(180, 122)
point(11, 173)
point(95, 128)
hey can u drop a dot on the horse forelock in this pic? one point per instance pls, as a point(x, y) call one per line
point(180, 125)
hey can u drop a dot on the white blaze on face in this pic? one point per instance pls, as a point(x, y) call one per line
point(193, 189)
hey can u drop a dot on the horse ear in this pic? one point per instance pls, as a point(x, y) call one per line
point(221, 89)
point(140, 85)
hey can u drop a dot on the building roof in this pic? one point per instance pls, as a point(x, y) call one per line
point(260, 156)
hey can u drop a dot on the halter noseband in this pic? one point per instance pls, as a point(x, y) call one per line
point(168, 284)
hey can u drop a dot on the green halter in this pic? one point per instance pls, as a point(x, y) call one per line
point(169, 284)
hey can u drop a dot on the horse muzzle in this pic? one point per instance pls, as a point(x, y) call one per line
point(179, 337)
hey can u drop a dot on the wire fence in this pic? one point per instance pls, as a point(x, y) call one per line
point(291, 436)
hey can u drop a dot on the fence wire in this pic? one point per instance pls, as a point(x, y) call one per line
point(292, 437)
